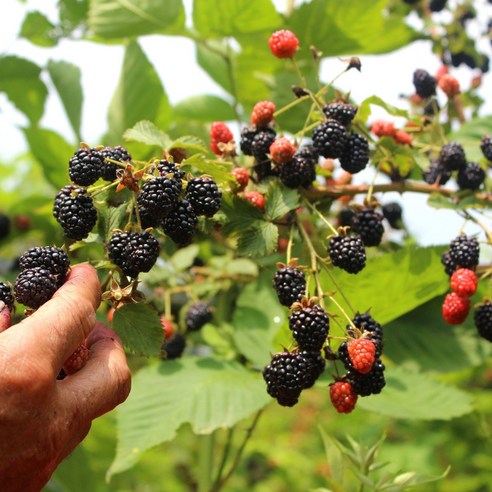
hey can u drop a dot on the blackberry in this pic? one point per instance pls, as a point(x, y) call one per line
point(49, 257)
point(260, 146)
point(343, 356)
point(355, 155)
point(461, 57)
point(308, 152)
point(34, 286)
point(133, 252)
point(299, 172)
point(436, 173)
point(452, 156)
point(6, 295)
point(464, 251)
point(147, 219)
point(165, 167)
point(392, 212)
point(482, 318)
point(368, 384)
point(432, 107)
point(248, 134)
point(309, 326)
point(449, 263)
point(263, 169)
point(204, 196)
point(159, 196)
point(367, 324)
point(345, 216)
point(348, 253)
point(342, 112)
point(4, 226)
point(369, 225)
point(198, 314)
point(290, 285)
point(174, 347)
point(425, 84)
point(286, 376)
point(74, 210)
point(85, 167)
point(471, 177)
point(486, 147)
point(317, 366)
point(437, 5)
point(119, 154)
point(180, 224)
point(329, 139)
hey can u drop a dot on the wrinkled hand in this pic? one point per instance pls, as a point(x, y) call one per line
point(41, 419)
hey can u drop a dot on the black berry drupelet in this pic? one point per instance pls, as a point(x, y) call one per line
point(53, 259)
point(343, 356)
point(174, 347)
point(437, 5)
point(198, 314)
point(204, 196)
point(159, 196)
point(448, 263)
point(180, 224)
point(74, 210)
point(85, 167)
point(482, 318)
point(166, 168)
point(147, 218)
point(290, 285)
point(5, 223)
point(464, 251)
point(345, 216)
point(355, 155)
point(34, 286)
point(119, 154)
point(425, 84)
point(6, 295)
point(329, 139)
point(248, 134)
point(260, 146)
point(133, 252)
point(367, 324)
point(392, 212)
point(369, 225)
point(309, 326)
point(471, 176)
point(299, 172)
point(436, 173)
point(368, 384)
point(452, 156)
point(344, 113)
point(318, 364)
point(486, 147)
point(347, 252)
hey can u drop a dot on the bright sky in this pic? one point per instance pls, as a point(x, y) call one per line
point(388, 76)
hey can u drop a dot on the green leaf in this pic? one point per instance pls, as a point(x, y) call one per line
point(184, 257)
point(112, 19)
point(412, 395)
point(258, 240)
point(220, 171)
point(280, 200)
point(52, 152)
point(110, 218)
point(140, 328)
point(419, 278)
point(37, 29)
point(191, 143)
point(206, 393)
point(355, 27)
point(139, 96)
point(364, 110)
point(73, 13)
point(469, 135)
point(212, 57)
point(242, 267)
point(467, 201)
point(204, 108)
point(66, 79)
point(22, 83)
point(146, 132)
point(216, 18)
point(240, 213)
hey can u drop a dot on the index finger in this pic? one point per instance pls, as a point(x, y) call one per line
point(60, 325)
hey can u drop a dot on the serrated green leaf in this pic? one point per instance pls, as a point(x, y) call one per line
point(111, 218)
point(113, 19)
point(22, 83)
point(412, 395)
point(206, 393)
point(216, 18)
point(206, 108)
point(242, 267)
point(140, 329)
point(184, 257)
point(66, 79)
point(239, 213)
point(260, 239)
point(469, 135)
point(364, 110)
point(37, 29)
point(146, 132)
point(139, 96)
point(219, 171)
point(190, 142)
point(212, 56)
point(280, 200)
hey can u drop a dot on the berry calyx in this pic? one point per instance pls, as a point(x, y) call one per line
point(464, 282)
point(455, 308)
point(343, 397)
point(283, 43)
point(362, 354)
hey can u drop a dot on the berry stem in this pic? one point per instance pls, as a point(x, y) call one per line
point(298, 71)
point(95, 190)
point(290, 244)
point(337, 286)
point(292, 104)
point(225, 455)
point(321, 216)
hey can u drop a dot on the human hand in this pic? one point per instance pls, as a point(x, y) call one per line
point(41, 419)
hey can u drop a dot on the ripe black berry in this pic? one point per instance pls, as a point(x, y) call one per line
point(34, 286)
point(133, 252)
point(367, 324)
point(204, 196)
point(159, 196)
point(85, 167)
point(180, 224)
point(290, 285)
point(368, 384)
point(119, 154)
point(309, 326)
point(355, 155)
point(436, 173)
point(369, 225)
point(437, 5)
point(318, 364)
point(51, 258)
point(347, 253)
point(329, 139)
point(198, 315)
point(452, 156)
point(486, 147)
point(345, 216)
point(392, 212)
point(6, 295)
point(75, 212)
point(248, 133)
point(471, 176)
point(165, 168)
point(4, 225)
point(299, 172)
point(483, 320)
point(174, 346)
point(464, 251)
point(260, 146)
point(342, 112)
point(449, 263)
point(425, 84)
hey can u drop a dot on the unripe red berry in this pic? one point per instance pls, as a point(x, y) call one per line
point(449, 85)
point(262, 113)
point(257, 199)
point(242, 177)
point(282, 150)
point(455, 308)
point(464, 282)
point(283, 43)
point(343, 397)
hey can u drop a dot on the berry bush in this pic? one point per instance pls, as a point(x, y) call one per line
point(253, 248)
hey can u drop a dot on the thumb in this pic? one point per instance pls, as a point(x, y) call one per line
point(5, 317)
